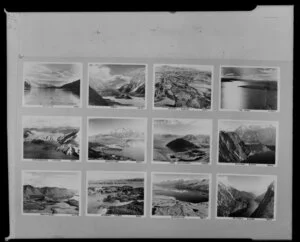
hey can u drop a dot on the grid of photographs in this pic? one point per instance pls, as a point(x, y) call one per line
point(179, 141)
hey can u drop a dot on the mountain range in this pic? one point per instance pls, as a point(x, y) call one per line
point(181, 184)
point(244, 142)
point(68, 143)
point(73, 86)
point(235, 203)
point(131, 84)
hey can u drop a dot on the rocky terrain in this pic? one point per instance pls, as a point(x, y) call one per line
point(235, 203)
point(181, 198)
point(49, 200)
point(168, 206)
point(44, 143)
point(118, 197)
point(247, 146)
point(182, 88)
point(188, 148)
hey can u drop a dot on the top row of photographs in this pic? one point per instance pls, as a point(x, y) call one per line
point(175, 86)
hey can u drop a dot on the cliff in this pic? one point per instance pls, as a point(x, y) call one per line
point(265, 208)
point(232, 148)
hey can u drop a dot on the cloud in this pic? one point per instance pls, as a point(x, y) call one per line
point(103, 73)
point(50, 72)
point(46, 121)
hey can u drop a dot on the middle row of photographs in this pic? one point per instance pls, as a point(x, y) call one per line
point(173, 140)
point(175, 86)
point(173, 195)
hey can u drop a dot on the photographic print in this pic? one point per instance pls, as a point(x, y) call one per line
point(247, 142)
point(117, 139)
point(182, 140)
point(180, 195)
point(51, 192)
point(246, 196)
point(183, 86)
point(51, 138)
point(52, 84)
point(117, 85)
point(115, 193)
point(249, 88)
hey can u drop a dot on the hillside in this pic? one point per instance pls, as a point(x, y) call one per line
point(74, 87)
point(190, 185)
point(53, 193)
point(181, 145)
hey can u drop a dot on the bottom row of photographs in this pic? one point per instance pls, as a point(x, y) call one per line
point(173, 195)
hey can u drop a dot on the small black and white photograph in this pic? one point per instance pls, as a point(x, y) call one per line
point(182, 141)
point(115, 193)
point(51, 193)
point(180, 195)
point(117, 85)
point(183, 86)
point(54, 138)
point(246, 196)
point(117, 139)
point(48, 84)
point(249, 88)
point(247, 142)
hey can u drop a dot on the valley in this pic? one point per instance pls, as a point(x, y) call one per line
point(181, 198)
point(51, 143)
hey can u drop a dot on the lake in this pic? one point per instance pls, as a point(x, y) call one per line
point(248, 95)
point(50, 97)
point(267, 157)
point(135, 150)
point(186, 196)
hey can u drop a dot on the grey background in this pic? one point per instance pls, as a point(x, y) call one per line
point(260, 38)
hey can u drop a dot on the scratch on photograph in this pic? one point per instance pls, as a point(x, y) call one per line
point(52, 84)
point(246, 196)
point(51, 193)
point(182, 141)
point(51, 138)
point(117, 139)
point(183, 86)
point(117, 85)
point(249, 88)
point(115, 193)
point(248, 142)
point(180, 195)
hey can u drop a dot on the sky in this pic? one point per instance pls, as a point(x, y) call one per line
point(165, 177)
point(69, 180)
point(50, 121)
point(97, 175)
point(232, 125)
point(196, 67)
point(108, 72)
point(182, 126)
point(255, 184)
point(52, 72)
point(106, 125)
point(252, 73)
